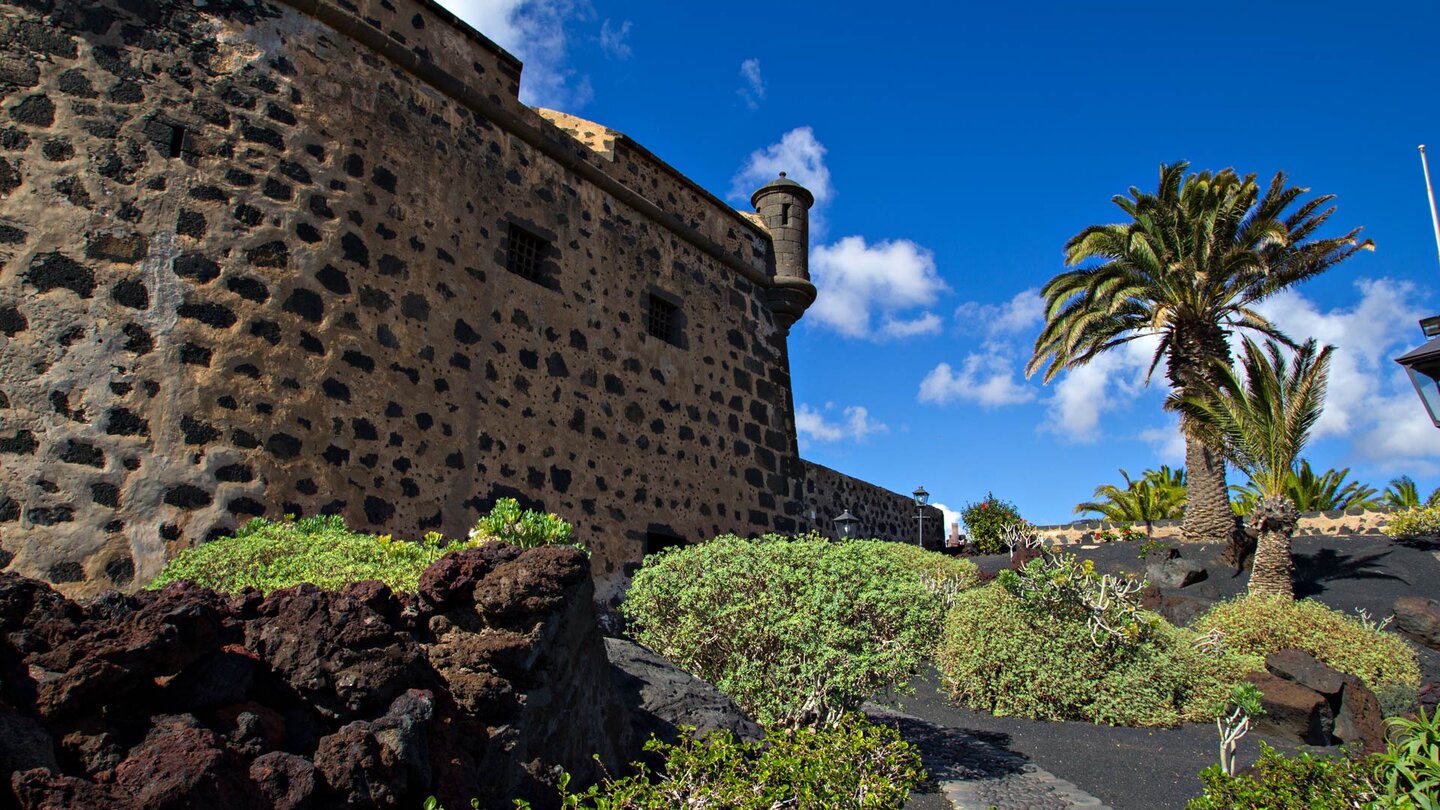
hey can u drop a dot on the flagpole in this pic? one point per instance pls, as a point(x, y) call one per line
point(1434, 219)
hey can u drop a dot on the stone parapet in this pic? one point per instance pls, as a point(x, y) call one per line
point(1336, 522)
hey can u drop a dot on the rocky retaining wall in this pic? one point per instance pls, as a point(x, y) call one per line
point(481, 685)
point(1337, 522)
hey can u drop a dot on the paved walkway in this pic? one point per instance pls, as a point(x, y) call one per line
point(971, 774)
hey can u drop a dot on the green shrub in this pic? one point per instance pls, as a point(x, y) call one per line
point(848, 766)
point(1062, 586)
point(1259, 625)
point(526, 529)
point(986, 521)
point(1417, 521)
point(1409, 769)
point(319, 550)
point(1279, 782)
point(797, 630)
point(1004, 656)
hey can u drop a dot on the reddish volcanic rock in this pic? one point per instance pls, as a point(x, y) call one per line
point(482, 685)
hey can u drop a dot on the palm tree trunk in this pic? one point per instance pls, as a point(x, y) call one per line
point(1273, 520)
point(1208, 516)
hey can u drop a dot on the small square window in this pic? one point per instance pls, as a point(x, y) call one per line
point(661, 321)
point(525, 254)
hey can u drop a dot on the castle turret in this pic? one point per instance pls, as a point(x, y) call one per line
point(784, 206)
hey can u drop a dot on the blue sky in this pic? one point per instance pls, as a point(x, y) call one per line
point(953, 152)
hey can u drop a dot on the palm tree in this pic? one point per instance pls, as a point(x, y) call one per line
point(1310, 492)
point(1261, 422)
point(1156, 495)
point(1403, 494)
point(1188, 267)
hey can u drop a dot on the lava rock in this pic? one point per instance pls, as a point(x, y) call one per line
point(286, 781)
point(662, 697)
point(1303, 668)
point(1176, 572)
point(1418, 618)
point(1360, 722)
point(1292, 711)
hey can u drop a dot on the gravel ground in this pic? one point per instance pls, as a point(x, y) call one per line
point(1155, 769)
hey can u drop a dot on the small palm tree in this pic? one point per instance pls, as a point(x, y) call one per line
point(1156, 495)
point(1188, 267)
point(1403, 494)
point(1262, 422)
point(1310, 492)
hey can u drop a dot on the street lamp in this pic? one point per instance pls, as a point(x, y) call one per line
point(847, 525)
point(921, 498)
point(1423, 366)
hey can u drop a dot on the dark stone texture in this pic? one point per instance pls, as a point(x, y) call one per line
point(662, 697)
point(1418, 619)
point(1292, 711)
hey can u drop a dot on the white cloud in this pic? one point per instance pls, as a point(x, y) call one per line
point(987, 379)
point(753, 91)
point(926, 324)
point(859, 282)
point(864, 290)
point(1020, 314)
point(800, 156)
point(533, 30)
point(613, 39)
point(854, 423)
point(1369, 397)
point(952, 516)
point(1104, 384)
point(1167, 442)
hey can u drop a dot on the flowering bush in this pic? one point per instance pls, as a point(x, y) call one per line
point(1417, 521)
point(1122, 533)
point(986, 521)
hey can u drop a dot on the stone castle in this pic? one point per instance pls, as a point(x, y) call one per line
point(314, 256)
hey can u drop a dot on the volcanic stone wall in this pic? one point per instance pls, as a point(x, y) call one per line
point(255, 260)
point(882, 513)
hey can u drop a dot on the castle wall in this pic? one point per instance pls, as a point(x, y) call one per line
point(253, 261)
point(883, 514)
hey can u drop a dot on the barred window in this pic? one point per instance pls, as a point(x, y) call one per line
point(661, 320)
point(525, 254)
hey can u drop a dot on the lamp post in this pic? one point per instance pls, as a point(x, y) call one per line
point(921, 498)
point(1423, 364)
point(846, 525)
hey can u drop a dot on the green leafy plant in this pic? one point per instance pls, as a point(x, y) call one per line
point(986, 522)
point(525, 528)
point(796, 630)
point(1151, 545)
point(1278, 782)
point(1260, 421)
point(851, 765)
point(1232, 720)
point(1260, 625)
point(1155, 495)
point(1409, 770)
point(1401, 493)
point(1310, 492)
point(319, 550)
point(1188, 264)
point(1063, 585)
point(1002, 655)
point(1417, 521)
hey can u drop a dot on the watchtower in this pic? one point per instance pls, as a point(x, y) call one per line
point(784, 206)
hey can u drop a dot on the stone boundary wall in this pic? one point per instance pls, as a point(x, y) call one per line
point(1336, 522)
point(883, 514)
